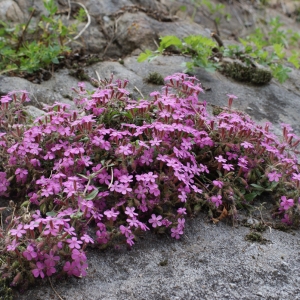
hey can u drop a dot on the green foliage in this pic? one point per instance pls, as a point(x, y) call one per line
point(81, 16)
point(199, 47)
point(27, 47)
point(155, 78)
point(278, 41)
point(267, 50)
point(217, 11)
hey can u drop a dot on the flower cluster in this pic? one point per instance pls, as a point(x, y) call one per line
point(116, 167)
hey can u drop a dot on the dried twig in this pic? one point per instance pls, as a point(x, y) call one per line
point(55, 290)
point(24, 30)
point(113, 38)
point(155, 43)
point(86, 25)
point(112, 177)
point(69, 11)
point(139, 92)
point(98, 76)
point(218, 39)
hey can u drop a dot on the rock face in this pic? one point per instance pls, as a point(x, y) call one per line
point(10, 11)
point(210, 262)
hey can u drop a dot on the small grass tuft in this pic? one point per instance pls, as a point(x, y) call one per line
point(155, 78)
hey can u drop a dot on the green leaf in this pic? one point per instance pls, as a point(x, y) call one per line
point(197, 208)
point(55, 60)
point(295, 59)
point(280, 72)
point(279, 50)
point(50, 6)
point(257, 187)
point(92, 195)
point(272, 186)
point(250, 197)
point(196, 41)
point(83, 176)
point(244, 42)
point(77, 215)
point(25, 203)
point(169, 40)
point(148, 54)
point(51, 214)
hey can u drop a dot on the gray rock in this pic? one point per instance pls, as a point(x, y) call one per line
point(273, 102)
point(24, 6)
point(252, 221)
point(134, 30)
point(140, 31)
point(10, 11)
point(34, 112)
point(105, 69)
point(96, 7)
point(210, 262)
point(58, 88)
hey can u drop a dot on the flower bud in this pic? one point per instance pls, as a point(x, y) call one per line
point(17, 279)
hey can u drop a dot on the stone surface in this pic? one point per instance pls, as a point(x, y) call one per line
point(210, 262)
point(272, 102)
point(96, 7)
point(10, 11)
point(58, 88)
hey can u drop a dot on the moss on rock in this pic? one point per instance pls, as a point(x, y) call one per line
point(241, 72)
point(155, 78)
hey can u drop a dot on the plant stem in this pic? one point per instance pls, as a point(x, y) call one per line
point(21, 39)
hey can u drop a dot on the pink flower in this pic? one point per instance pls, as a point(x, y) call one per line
point(218, 183)
point(133, 222)
point(19, 231)
point(39, 270)
point(51, 258)
point(74, 243)
point(130, 212)
point(181, 211)
point(125, 150)
point(217, 200)
point(155, 221)
point(87, 239)
point(29, 254)
point(230, 99)
point(130, 241)
point(111, 214)
point(21, 175)
point(72, 268)
point(286, 203)
point(286, 219)
point(296, 176)
point(125, 230)
point(247, 145)
point(181, 223)
point(12, 246)
point(274, 176)
point(228, 167)
point(220, 159)
point(49, 268)
point(78, 256)
point(176, 232)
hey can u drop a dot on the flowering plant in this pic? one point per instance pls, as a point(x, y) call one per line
point(116, 167)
